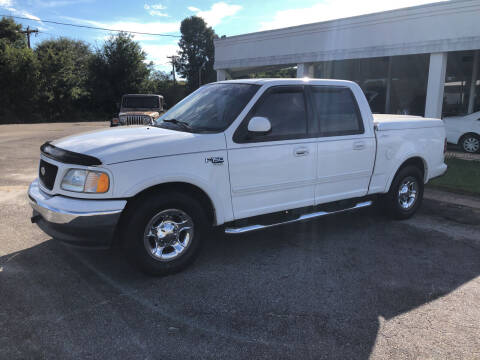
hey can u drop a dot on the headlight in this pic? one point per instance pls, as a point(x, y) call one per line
point(85, 181)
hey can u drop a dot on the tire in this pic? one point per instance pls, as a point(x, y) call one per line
point(163, 233)
point(401, 203)
point(470, 143)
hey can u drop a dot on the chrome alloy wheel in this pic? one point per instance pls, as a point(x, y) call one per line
point(407, 192)
point(168, 234)
point(471, 144)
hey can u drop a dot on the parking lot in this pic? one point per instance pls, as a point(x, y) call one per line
point(352, 286)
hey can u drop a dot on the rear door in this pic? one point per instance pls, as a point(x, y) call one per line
point(274, 171)
point(345, 147)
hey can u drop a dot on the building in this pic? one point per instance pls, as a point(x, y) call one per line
point(422, 60)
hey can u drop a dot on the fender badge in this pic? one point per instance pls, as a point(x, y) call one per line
point(215, 160)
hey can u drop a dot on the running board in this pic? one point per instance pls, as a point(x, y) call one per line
point(304, 217)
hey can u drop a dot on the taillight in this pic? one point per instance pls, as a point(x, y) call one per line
point(445, 146)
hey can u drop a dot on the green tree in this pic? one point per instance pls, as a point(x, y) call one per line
point(19, 73)
point(161, 83)
point(156, 82)
point(63, 78)
point(117, 68)
point(197, 52)
point(11, 32)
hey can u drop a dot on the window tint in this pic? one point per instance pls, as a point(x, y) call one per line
point(285, 108)
point(336, 111)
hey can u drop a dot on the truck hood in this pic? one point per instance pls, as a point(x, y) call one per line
point(134, 143)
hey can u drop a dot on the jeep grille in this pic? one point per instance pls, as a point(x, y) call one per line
point(135, 120)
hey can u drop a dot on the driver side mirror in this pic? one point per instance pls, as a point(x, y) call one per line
point(259, 124)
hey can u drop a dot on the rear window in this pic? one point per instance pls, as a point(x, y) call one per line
point(336, 111)
point(140, 102)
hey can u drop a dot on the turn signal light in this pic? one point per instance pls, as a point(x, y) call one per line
point(103, 183)
point(97, 182)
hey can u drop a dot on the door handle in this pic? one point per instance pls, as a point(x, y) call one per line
point(358, 145)
point(302, 151)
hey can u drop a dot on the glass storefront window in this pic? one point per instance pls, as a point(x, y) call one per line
point(268, 72)
point(391, 84)
point(462, 85)
point(370, 74)
point(409, 84)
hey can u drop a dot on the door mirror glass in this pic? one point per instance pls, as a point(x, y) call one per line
point(259, 124)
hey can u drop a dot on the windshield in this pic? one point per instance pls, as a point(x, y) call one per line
point(140, 102)
point(211, 108)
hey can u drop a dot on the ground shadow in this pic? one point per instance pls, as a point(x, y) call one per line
point(313, 290)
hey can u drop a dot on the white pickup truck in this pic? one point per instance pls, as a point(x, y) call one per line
point(244, 154)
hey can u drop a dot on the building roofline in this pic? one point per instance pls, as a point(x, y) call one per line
point(423, 29)
point(329, 25)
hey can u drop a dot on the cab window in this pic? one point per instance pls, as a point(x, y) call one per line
point(285, 108)
point(336, 111)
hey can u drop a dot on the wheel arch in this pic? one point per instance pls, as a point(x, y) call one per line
point(178, 186)
point(466, 134)
point(416, 161)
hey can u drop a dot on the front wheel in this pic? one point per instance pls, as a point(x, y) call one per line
point(406, 193)
point(470, 143)
point(164, 232)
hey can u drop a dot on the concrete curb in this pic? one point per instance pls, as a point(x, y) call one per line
point(452, 198)
point(462, 156)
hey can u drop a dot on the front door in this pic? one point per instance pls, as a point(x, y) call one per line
point(277, 170)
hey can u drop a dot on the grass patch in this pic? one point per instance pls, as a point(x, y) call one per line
point(462, 175)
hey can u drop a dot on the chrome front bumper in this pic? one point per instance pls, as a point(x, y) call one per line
point(80, 221)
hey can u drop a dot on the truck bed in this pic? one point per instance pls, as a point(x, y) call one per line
point(402, 137)
point(384, 122)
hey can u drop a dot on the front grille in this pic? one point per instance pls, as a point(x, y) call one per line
point(137, 120)
point(47, 173)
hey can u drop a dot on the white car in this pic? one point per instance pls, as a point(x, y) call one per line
point(245, 155)
point(464, 131)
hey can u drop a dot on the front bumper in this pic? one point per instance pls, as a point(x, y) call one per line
point(80, 221)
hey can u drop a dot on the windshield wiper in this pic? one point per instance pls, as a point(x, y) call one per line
point(178, 122)
point(186, 126)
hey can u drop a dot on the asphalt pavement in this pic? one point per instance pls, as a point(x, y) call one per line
point(351, 286)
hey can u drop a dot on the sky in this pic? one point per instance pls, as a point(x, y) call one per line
point(228, 17)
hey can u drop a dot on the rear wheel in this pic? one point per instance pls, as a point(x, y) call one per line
point(164, 232)
point(470, 143)
point(406, 193)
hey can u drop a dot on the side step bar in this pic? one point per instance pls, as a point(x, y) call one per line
point(303, 217)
